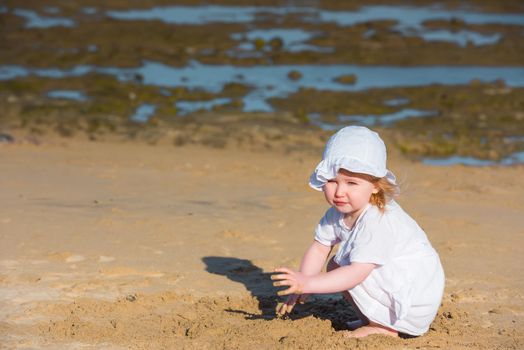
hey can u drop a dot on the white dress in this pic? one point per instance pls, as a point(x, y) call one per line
point(405, 291)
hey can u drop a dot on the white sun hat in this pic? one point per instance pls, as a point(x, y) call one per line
point(354, 148)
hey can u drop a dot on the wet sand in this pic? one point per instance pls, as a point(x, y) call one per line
point(107, 245)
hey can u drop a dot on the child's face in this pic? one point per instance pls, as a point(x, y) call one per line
point(349, 192)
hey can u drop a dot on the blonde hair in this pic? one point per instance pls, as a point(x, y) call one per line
point(386, 190)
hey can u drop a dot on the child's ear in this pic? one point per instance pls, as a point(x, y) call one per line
point(375, 190)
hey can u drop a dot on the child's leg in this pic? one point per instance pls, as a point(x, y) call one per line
point(363, 320)
point(362, 327)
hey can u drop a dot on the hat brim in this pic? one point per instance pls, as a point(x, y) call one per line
point(318, 179)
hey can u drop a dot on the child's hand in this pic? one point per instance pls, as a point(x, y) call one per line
point(295, 280)
point(288, 306)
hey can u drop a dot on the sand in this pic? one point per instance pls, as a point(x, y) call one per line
point(108, 245)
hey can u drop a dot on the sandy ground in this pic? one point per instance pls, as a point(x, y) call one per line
point(107, 245)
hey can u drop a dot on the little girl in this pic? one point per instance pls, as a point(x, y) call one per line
point(385, 265)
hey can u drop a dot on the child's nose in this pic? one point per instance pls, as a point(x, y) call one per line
point(341, 191)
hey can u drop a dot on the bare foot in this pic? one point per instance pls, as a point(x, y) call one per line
point(372, 328)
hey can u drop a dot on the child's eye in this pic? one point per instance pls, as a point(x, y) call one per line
point(351, 183)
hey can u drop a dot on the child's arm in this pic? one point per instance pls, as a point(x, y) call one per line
point(337, 280)
point(314, 259)
point(312, 263)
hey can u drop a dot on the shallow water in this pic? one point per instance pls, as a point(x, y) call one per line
point(34, 20)
point(273, 81)
point(202, 14)
point(187, 107)
point(410, 20)
point(74, 95)
point(143, 113)
point(406, 16)
point(394, 102)
point(462, 37)
point(515, 158)
point(386, 119)
point(293, 40)
point(89, 10)
point(511, 139)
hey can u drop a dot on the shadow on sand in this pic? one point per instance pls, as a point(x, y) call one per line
point(256, 281)
point(331, 307)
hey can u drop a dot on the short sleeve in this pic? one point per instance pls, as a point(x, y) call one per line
point(374, 244)
point(326, 231)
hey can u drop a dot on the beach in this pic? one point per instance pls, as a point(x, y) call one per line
point(155, 158)
point(115, 244)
